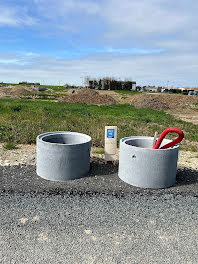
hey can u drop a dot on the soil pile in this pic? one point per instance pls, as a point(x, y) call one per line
point(88, 96)
point(15, 90)
point(163, 101)
point(147, 101)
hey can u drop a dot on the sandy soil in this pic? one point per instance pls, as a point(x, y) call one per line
point(188, 115)
point(15, 90)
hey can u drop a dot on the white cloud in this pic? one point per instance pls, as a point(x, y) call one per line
point(128, 36)
point(56, 8)
point(17, 59)
point(9, 61)
point(15, 16)
point(143, 17)
point(149, 24)
point(179, 69)
point(125, 17)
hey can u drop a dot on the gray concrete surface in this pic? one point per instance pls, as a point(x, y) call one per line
point(142, 166)
point(63, 155)
point(98, 219)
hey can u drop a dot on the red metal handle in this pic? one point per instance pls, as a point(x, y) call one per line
point(174, 142)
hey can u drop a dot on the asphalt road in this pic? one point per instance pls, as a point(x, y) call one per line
point(99, 219)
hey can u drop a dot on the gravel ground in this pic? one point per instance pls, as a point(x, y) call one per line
point(99, 229)
point(26, 154)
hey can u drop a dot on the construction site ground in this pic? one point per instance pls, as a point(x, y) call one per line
point(98, 219)
point(181, 106)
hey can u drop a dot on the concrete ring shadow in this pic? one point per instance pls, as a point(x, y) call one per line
point(99, 168)
point(186, 176)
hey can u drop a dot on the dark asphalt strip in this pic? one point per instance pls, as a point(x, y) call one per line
point(103, 179)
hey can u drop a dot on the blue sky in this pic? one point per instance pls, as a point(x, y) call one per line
point(62, 41)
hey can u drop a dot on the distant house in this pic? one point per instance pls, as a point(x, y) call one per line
point(154, 89)
point(183, 90)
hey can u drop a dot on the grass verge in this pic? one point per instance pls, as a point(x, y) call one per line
point(126, 92)
point(22, 120)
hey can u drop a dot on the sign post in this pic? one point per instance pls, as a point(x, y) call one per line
point(110, 143)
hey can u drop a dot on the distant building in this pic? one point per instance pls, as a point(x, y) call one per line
point(152, 89)
point(111, 84)
point(183, 90)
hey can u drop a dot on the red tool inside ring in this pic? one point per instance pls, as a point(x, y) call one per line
point(174, 142)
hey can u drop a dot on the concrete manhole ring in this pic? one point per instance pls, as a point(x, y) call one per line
point(142, 166)
point(62, 155)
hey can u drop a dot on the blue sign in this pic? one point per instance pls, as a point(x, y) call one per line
point(110, 133)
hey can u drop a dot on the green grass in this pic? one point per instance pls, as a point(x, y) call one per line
point(54, 88)
point(22, 120)
point(196, 104)
point(126, 92)
point(10, 145)
point(100, 151)
point(44, 96)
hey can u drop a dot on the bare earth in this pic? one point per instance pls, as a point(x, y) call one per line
point(181, 106)
point(15, 90)
point(88, 96)
point(26, 155)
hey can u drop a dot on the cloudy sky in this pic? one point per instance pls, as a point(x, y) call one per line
point(61, 41)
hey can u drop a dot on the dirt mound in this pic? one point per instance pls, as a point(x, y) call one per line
point(15, 90)
point(147, 101)
point(88, 96)
point(162, 101)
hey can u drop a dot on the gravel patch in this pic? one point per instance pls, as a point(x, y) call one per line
point(26, 155)
point(99, 229)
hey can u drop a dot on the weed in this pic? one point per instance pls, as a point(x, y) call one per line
point(126, 92)
point(5, 131)
point(188, 147)
point(16, 108)
point(99, 151)
point(193, 149)
point(36, 117)
point(10, 145)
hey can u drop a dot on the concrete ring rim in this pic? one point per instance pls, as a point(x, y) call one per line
point(41, 136)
